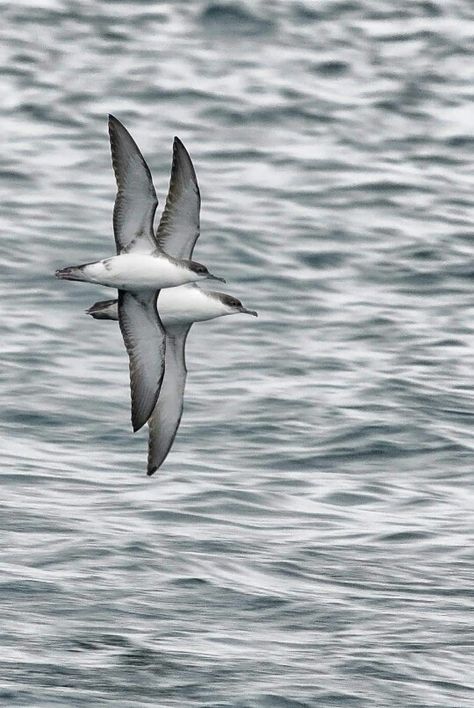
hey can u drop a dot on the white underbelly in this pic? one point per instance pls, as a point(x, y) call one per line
point(187, 304)
point(136, 272)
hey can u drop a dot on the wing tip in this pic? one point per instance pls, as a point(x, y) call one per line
point(137, 423)
point(140, 417)
point(182, 163)
point(112, 121)
point(178, 146)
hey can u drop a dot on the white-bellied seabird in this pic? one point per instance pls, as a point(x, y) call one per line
point(139, 270)
point(178, 307)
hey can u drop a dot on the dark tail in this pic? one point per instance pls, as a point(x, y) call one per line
point(104, 310)
point(72, 273)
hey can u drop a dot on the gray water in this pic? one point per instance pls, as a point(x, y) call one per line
point(309, 541)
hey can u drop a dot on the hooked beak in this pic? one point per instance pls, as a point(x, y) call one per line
point(215, 277)
point(248, 312)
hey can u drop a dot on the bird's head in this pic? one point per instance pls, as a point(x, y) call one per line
point(200, 272)
point(233, 306)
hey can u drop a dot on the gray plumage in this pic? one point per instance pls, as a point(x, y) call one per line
point(145, 343)
point(165, 419)
point(142, 331)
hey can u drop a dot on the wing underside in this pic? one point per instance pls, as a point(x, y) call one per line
point(136, 201)
point(178, 229)
point(145, 342)
point(166, 417)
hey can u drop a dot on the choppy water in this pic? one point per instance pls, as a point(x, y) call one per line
point(309, 541)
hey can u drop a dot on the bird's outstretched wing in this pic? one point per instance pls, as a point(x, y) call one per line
point(145, 342)
point(165, 419)
point(178, 229)
point(136, 201)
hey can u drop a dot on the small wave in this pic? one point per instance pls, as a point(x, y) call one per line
point(234, 19)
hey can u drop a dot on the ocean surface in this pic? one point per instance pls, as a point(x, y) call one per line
point(309, 540)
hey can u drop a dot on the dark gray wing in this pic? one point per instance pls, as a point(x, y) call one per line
point(179, 225)
point(136, 201)
point(165, 419)
point(144, 339)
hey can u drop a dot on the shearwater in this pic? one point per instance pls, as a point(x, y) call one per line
point(178, 307)
point(140, 268)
